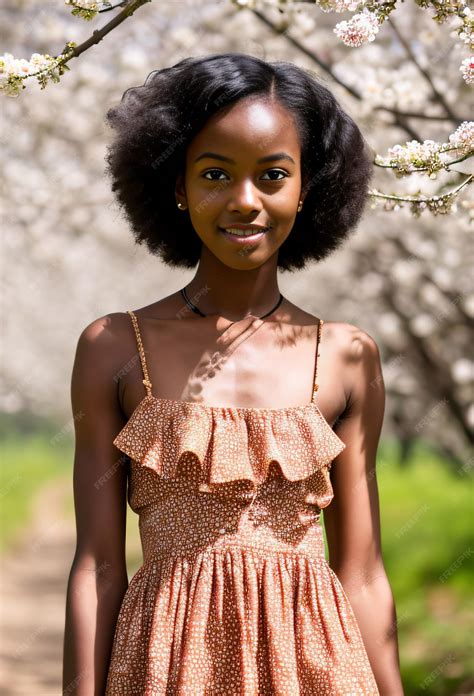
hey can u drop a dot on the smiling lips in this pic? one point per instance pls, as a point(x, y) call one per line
point(245, 231)
point(244, 235)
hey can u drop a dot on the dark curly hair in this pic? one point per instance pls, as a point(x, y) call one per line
point(156, 121)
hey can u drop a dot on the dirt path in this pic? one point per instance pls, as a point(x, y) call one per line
point(33, 585)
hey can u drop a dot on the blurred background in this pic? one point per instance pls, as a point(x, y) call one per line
point(69, 258)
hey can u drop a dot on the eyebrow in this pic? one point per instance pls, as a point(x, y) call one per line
point(268, 158)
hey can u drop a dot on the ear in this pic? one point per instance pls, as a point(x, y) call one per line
point(303, 194)
point(305, 186)
point(179, 189)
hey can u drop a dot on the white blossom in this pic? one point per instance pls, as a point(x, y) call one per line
point(467, 69)
point(43, 66)
point(83, 4)
point(339, 5)
point(360, 29)
point(381, 84)
point(463, 136)
point(86, 9)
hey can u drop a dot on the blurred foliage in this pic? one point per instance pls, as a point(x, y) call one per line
point(29, 461)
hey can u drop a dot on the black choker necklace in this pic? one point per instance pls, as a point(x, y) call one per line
point(198, 311)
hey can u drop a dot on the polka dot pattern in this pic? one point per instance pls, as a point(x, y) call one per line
point(234, 595)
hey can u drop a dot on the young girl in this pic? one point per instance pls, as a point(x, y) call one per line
point(219, 403)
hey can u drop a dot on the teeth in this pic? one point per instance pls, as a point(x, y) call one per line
point(243, 233)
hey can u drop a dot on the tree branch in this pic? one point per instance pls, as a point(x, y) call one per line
point(398, 118)
point(319, 61)
point(436, 373)
point(98, 34)
point(422, 199)
point(438, 96)
point(439, 383)
point(451, 297)
point(445, 165)
point(414, 114)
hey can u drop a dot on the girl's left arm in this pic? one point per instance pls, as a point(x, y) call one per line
point(352, 520)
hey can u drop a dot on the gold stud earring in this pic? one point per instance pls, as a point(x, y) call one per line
point(300, 206)
point(181, 206)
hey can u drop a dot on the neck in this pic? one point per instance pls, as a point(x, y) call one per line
point(231, 293)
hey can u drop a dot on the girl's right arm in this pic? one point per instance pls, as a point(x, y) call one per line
point(98, 577)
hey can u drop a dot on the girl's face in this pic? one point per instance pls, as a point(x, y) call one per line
point(243, 168)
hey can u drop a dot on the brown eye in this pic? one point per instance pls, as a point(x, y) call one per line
point(209, 171)
point(278, 171)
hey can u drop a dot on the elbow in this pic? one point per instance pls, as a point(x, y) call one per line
point(103, 582)
point(374, 593)
point(102, 563)
point(364, 579)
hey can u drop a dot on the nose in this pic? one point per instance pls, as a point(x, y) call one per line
point(244, 198)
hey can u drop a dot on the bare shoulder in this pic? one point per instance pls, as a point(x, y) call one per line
point(353, 343)
point(353, 356)
point(105, 330)
point(359, 361)
point(346, 343)
point(107, 341)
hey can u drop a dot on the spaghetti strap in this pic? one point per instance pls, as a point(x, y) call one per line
point(316, 386)
point(146, 380)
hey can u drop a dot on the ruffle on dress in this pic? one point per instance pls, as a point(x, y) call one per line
point(230, 443)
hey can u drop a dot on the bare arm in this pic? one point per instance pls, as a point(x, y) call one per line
point(98, 576)
point(352, 521)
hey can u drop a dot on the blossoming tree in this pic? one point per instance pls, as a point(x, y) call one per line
point(368, 15)
point(405, 277)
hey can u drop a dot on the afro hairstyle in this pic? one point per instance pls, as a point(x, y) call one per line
point(155, 122)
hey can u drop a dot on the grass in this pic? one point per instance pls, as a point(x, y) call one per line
point(28, 463)
point(427, 540)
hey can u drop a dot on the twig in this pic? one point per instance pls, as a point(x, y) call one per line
point(319, 61)
point(445, 165)
point(111, 6)
point(421, 199)
point(414, 114)
point(71, 51)
point(98, 34)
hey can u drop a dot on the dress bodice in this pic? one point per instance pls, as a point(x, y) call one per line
point(258, 461)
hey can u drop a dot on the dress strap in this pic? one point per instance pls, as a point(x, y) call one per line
point(316, 386)
point(146, 380)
